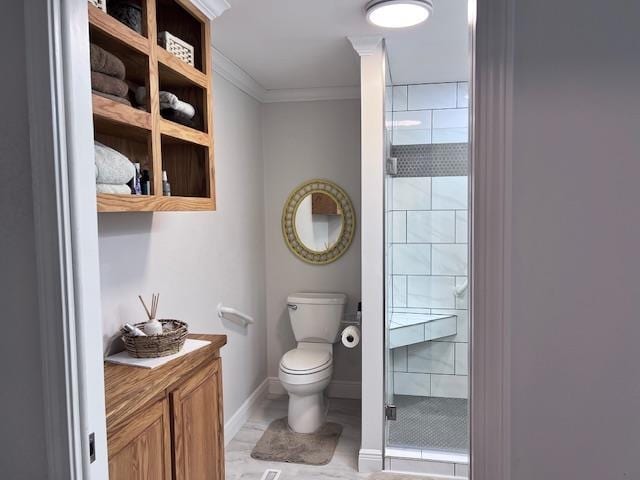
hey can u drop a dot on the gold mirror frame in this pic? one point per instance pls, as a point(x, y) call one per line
point(290, 234)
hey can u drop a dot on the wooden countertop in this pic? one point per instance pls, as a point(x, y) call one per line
point(127, 388)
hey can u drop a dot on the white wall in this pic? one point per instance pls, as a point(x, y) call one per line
point(196, 260)
point(23, 452)
point(301, 141)
point(575, 329)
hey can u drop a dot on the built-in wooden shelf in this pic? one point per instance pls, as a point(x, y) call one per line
point(178, 72)
point(152, 203)
point(183, 133)
point(115, 112)
point(158, 144)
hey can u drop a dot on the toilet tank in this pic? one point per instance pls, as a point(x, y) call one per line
point(316, 317)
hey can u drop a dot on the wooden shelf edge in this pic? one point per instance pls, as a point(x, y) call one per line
point(151, 203)
point(181, 68)
point(117, 30)
point(120, 113)
point(183, 133)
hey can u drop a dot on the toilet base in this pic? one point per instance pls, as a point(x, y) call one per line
point(307, 413)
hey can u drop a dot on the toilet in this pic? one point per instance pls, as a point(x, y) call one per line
point(305, 371)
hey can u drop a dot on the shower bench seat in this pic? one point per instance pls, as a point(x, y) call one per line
point(409, 328)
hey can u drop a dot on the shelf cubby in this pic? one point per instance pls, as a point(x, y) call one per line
point(187, 91)
point(112, 31)
point(185, 152)
point(183, 20)
point(187, 167)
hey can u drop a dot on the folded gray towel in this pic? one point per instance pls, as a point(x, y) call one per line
point(112, 167)
point(105, 62)
point(117, 189)
point(167, 101)
point(107, 84)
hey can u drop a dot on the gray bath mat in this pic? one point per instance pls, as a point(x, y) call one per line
point(279, 444)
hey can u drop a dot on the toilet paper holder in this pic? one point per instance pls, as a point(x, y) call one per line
point(351, 319)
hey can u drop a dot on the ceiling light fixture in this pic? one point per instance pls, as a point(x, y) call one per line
point(398, 13)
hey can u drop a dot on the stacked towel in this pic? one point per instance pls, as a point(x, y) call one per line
point(113, 170)
point(171, 107)
point(107, 74)
point(116, 189)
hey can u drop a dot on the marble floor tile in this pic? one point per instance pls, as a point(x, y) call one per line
point(343, 465)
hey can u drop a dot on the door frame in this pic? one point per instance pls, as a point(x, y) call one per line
point(66, 249)
point(492, 23)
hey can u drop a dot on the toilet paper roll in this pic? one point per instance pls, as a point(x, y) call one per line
point(351, 336)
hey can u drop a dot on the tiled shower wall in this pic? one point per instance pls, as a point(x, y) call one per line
point(431, 113)
point(429, 233)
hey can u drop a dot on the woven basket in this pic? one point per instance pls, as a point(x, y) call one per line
point(101, 4)
point(177, 46)
point(170, 342)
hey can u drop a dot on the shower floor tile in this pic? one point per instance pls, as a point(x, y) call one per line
point(430, 423)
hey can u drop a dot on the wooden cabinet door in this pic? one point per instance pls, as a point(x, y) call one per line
point(141, 450)
point(197, 426)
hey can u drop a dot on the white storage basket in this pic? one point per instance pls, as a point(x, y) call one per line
point(178, 47)
point(101, 4)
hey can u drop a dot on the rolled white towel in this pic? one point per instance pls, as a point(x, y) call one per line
point(117, 189)
point(112, 167)
point(167, 100)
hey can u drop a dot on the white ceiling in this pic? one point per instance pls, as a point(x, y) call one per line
point(285, 44)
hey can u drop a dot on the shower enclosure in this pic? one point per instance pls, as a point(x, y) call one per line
point(426, 262)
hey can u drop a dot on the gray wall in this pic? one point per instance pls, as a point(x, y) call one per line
point(23, 454)
point(576, 232)
point(301, 141)
point(196, 260)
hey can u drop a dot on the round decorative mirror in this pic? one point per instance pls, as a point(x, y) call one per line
point(318, 222)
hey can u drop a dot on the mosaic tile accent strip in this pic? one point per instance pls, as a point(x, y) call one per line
point(432, 160)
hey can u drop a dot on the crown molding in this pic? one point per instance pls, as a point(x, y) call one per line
point(365, 44)
point(212, 8)
point(230, 71)
point(311, 94)
point(237, 76)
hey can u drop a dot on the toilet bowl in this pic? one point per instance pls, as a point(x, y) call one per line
point(305, 372)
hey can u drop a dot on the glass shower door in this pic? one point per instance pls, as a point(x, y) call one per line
point(426, 249)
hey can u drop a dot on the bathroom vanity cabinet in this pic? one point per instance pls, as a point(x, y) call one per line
point(167, 422)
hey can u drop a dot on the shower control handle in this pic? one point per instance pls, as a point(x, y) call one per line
point(292, 306)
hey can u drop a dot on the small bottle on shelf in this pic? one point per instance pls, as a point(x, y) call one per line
point(166, 187)
point(145, 183)
point(136, 180)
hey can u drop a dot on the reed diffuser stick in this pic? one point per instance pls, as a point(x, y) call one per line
point(155, 310)
point(145, 307)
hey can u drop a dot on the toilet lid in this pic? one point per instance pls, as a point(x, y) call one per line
point(308, 361)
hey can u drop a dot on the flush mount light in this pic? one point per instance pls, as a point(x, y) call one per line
point(398, 13)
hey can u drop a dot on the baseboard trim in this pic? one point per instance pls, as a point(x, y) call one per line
point(336, 389)
point(238, 419)
point(369, 460)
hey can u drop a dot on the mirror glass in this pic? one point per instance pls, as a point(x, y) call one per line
point(319, 222)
